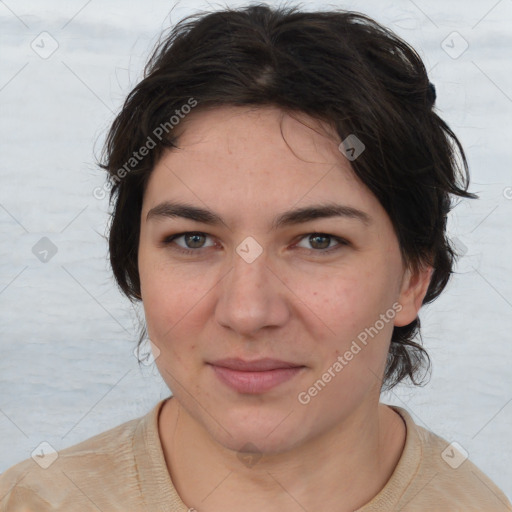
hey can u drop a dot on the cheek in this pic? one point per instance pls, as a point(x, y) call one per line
point(347, 301)
point(168, 304)
point(168, 297)
point(351, 305)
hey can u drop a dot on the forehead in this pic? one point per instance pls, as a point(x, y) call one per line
point(256, 158)
point(267, 124)
point(262, 140)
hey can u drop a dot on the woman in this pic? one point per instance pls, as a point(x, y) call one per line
point(281, 185)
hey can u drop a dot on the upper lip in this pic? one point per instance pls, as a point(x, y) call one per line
point(258, 365)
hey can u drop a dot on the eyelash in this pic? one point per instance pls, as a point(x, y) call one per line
point(166, 242)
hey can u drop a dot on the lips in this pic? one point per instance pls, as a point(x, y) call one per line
point(259, 365)
point(254, 377)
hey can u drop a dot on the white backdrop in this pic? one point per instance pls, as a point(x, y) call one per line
point(67, 368)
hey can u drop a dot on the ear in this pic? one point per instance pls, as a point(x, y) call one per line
point(413, 289)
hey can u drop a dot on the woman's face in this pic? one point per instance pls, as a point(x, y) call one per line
point(248, 287)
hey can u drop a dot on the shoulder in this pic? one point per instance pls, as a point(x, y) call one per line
point(444, 478)
point(76, 478)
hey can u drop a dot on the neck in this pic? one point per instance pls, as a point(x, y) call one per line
point(343, 469)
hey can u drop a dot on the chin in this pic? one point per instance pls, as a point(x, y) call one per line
point(259, 429)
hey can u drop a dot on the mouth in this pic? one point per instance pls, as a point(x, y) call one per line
point(254, 377)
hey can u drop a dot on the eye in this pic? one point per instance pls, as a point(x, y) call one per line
point(322, 241)
point(194, 242)
point(191, 239)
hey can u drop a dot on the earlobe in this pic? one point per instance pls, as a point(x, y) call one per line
point(413, 290)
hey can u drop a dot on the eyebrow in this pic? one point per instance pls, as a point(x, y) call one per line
point(168, 209)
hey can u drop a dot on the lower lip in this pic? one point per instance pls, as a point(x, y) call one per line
point(255, 382)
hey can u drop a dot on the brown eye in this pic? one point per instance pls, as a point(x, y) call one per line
point(321, 242)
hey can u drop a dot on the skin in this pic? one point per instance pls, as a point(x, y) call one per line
point(294, 302)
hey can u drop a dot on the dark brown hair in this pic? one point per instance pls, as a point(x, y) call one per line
point(339, 67)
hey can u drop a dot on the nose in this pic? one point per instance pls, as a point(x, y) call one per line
point(252, 296)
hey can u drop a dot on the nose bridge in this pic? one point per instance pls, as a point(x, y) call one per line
point(247, 283)
point(249, 296)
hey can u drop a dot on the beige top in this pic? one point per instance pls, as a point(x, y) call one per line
point(123, 469)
